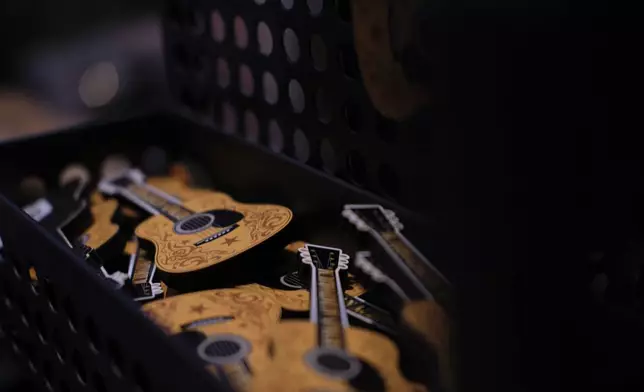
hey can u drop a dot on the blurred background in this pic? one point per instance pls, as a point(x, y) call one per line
point(69, 62)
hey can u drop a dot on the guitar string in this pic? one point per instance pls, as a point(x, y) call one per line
point(165, 206)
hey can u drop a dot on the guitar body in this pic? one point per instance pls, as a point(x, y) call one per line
point(102, 230)
point(224, 312)
point(179, 253)
point(289, 371)
point(294, 300)
point(298, 300)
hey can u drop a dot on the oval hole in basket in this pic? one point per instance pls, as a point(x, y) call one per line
point(217, 27)
point(296, 94)
point(291, 45)
point(288, 4)
point(301, 145)
point(41, 328)
point(251, 126)
point(318, 53)
point(223, 73)
point(70, 311)
point(116, 357)
point(59, 345)
point(93, 334)
point(241, 33)
point(264, 39)
point(327, 154)
point(79, 365)
point(47, 371)
point(353, 116)
point(246, 81)
point(50, 293)
point(271, 90)
point(315, 6)
point(275, 137)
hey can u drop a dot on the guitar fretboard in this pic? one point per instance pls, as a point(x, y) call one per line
point(369, 313)
point(142, 269)
point(237, 374)
point(171, 210)
point(429, 277)
point(329, 317)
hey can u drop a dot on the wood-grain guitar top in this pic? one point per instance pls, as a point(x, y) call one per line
point(326, 353)
point(197, 234)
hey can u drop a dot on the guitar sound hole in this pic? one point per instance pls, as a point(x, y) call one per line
point(194, 224)
point(292, 281)
point(224, 349)
point(334, 363)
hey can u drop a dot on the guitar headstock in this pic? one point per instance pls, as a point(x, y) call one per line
point(112, 183)
point(324, 257)
point(363, 263)
point(372, 217)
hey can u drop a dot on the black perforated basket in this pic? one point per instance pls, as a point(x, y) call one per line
point(524, 168)
point(277, 114)
point(70, 330)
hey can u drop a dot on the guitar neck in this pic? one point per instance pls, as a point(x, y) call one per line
point(425, 281)
point(370, 314)
point(237, 374)
point(155, 201)
point(327, 308)
point(143, 269)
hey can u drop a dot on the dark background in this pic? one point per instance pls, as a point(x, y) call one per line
point(535, 184)
point(46, 47)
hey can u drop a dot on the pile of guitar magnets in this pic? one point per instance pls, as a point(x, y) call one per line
point(263, 309)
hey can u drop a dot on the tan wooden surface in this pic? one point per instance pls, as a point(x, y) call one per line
point(293, 339)
point(177, 253)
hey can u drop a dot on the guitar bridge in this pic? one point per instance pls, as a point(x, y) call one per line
point(219, 234)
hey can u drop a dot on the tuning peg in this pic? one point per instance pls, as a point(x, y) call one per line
point(355, 220)
point(366, 266)
point(107, 188)
point(393, 219)
point(136, 175)
point(305, 256)
point(157, 289)
point(343, 261)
